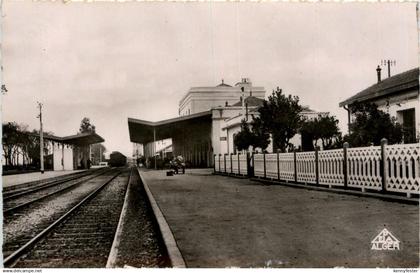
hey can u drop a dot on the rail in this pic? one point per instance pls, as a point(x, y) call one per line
point(12, 258)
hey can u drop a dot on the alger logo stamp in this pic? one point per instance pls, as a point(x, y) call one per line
point(385, 241)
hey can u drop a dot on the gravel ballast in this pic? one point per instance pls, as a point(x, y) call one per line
point(141, 244)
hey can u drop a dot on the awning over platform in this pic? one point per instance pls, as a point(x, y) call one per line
point(142, 131)
point(78, 140)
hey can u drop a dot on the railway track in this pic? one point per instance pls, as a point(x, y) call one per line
point(21, 189)
point(82, 237)
point(15, 202)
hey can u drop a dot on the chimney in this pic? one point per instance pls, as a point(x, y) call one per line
point(243, 101)
point(378, 71)
point(226, 103)
point(250, 93)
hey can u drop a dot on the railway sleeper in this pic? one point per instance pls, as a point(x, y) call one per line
point(84, 234)
point(81, 236)
point(66, 252)
point(88, 229)
point(75, 245)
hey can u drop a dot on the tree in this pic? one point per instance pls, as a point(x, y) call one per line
point(261, 137)
point(244, 138)
point(32, 147)
point(255, 137)
point(98, 150)
point(324, 128)
point(18, 142)
point(10, 141)
point(370, 125)
point(280, 117)
point(86, 126)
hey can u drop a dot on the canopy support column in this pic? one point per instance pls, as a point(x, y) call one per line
point(154, 146)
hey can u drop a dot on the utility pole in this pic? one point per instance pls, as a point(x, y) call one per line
point(41, 138)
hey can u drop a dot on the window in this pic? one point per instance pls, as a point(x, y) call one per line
point(408, 118)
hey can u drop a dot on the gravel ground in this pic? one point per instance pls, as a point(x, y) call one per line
point(32, 220)
point(140, 245)
point(220, 221)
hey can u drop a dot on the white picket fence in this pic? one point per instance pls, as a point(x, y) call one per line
point(402, 168)
point(306, 167)
point(330, 165)
point(235, 164)
point(394, 168)
point(287, 167)
point(259, 165)
point(364, 167)
point(243, 164)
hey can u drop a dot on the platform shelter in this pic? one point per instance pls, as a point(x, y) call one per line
point(191, 136)
point(72, 152)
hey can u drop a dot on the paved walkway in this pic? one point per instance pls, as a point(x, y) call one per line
point(16, 179)
point(220, 221)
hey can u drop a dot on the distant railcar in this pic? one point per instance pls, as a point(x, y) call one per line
point(117, 159)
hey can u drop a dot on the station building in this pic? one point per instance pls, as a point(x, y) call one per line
point(200, 99)
point(209, 118)
point(197, 133)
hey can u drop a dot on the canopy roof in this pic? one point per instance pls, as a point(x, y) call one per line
point(252, 102)
point(142, 131)
point(78, 140)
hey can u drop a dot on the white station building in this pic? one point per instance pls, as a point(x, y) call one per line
point(209, 118)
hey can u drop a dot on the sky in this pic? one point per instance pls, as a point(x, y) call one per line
point(110, 61)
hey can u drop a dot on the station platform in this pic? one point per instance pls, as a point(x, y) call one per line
point(17, 179)
point(220, 221)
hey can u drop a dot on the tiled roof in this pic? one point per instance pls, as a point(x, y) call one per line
point(307, 109)
point(224, 84)
point(397, 83)
point(251, 100)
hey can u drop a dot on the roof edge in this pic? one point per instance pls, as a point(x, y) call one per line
point(166, 121)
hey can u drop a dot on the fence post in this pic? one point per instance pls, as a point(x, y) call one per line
point(265, 167)
point(253, 162)
point(224, 161)
point(231, 165)
point(251, 168)
point(345, 165)
point(316, 166)
point(220, 170)
point(214, 165)
point(384, 167)
point(295, 161)
point(278, 165)
point(239, 165)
